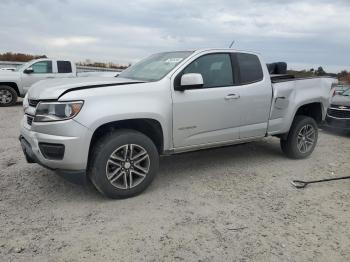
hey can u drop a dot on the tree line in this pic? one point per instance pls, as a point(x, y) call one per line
point(343, 76)
point(19, 57)
point(88, 62)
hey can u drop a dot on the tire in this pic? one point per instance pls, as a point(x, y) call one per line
point(301, 139)
point(8, 96)
point(118, 175)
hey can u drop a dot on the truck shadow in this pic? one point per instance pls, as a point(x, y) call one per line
point(17, 104)
point(336, 132)
point(202, 162)
point(177, 168)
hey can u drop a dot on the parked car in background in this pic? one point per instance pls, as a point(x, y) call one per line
point(338, 114)
point(341, 88)
point(114, 129)
point(15, 83)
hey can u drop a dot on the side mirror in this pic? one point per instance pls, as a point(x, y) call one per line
point(29, 70)
point(190, 81)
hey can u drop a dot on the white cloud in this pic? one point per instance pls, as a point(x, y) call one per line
point(74, 40)
point(300, 31)
point(62, 42)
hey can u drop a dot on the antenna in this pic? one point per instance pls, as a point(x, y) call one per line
point(232, 43)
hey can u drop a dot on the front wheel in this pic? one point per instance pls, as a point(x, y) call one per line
point(8, 96)
point(123, 163)
point(302, 138)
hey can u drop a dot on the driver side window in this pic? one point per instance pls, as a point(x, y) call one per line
point(42, 67)
point(216, 70)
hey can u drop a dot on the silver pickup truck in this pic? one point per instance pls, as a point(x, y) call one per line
point(114, 129)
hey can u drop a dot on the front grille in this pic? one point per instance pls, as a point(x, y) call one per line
point(341, 107)
point(338, 113)
point(33, 103)
point(29, 120)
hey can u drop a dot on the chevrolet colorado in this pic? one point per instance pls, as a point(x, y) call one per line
point(17, 81)
point(114, 129)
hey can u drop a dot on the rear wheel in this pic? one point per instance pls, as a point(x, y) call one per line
point(8, 96)
point(123, 164)
point(302, 138)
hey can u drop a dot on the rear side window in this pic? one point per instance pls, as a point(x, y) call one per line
point(215, 69)
point(250, 68)
point(64, 67)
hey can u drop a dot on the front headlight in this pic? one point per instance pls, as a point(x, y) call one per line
point(57, 111)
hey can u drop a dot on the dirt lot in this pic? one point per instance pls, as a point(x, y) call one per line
point(228, 204)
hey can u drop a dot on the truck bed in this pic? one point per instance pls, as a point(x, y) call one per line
point(286, 77)
point(290, 93)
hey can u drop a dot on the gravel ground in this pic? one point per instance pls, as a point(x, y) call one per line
point(228, 204)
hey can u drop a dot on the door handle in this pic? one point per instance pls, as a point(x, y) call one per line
point(49, 77)
point(232, 96)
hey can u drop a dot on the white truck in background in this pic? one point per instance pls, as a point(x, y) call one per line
point(15, 83)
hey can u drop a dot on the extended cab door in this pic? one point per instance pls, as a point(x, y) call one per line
point(255, 95)
point(41, 70)
point(210, 114)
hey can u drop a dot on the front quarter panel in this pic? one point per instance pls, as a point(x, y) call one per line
point(103, 105)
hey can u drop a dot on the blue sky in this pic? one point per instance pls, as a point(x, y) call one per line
point(304, 33)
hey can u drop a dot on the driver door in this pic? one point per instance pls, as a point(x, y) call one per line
point(41, 70)
point(210, 114)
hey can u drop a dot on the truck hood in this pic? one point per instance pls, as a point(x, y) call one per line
point(340, 100)
point(54, 88)
point(9, 75)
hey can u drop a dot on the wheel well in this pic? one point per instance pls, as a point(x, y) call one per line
point(13, 85)
point(313, 110)
point(149, 127)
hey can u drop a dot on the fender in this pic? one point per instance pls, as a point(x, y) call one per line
point(305, 103)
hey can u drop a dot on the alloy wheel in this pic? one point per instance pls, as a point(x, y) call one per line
point(306, 138)
point(128, 166)
point(5, 96)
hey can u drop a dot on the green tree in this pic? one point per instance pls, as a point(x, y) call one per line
point(320, 71)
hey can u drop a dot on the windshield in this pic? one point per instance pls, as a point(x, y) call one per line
point(155, 67)
point(23, 66)
point(346, 92)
